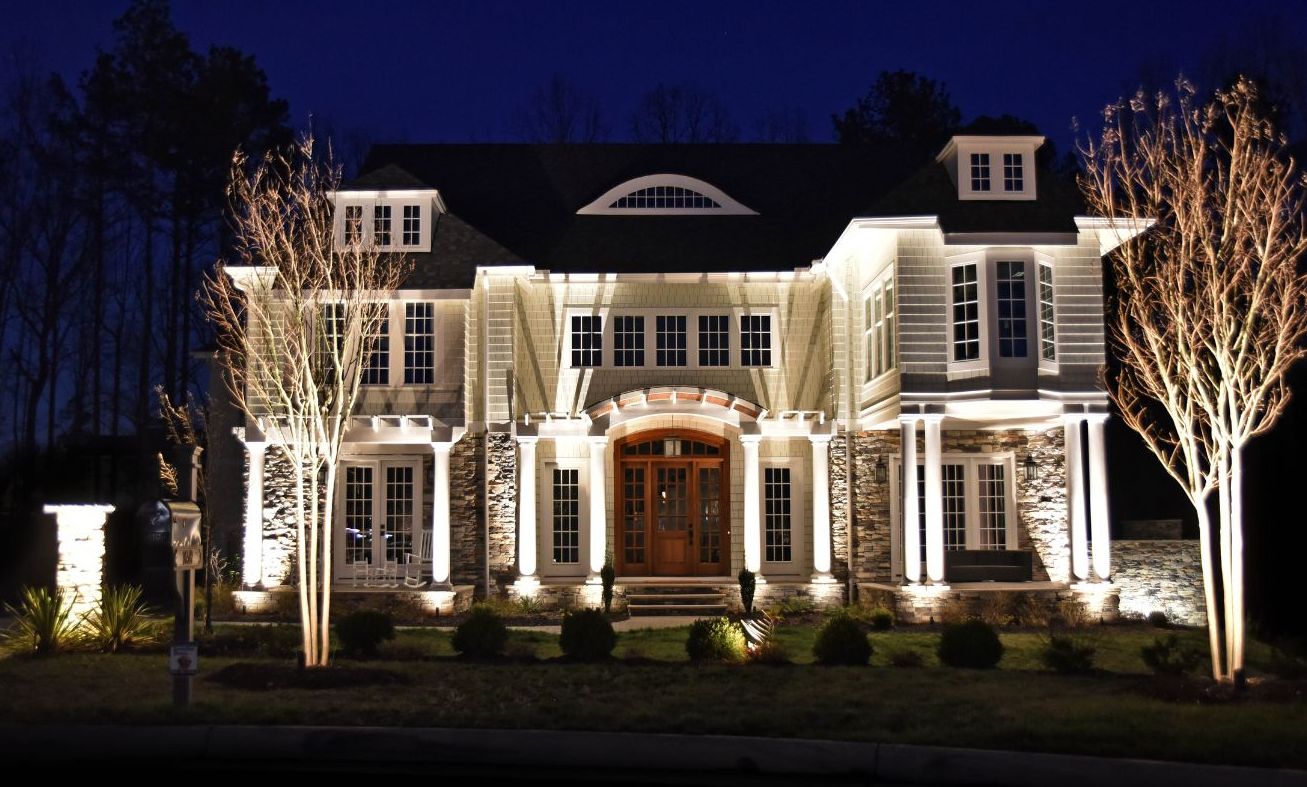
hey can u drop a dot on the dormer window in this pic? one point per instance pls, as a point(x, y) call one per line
point(991, 167)
point(412, 225)
point(1013, 172)
point(980, 172)
point(665, 195)
point(391, 221)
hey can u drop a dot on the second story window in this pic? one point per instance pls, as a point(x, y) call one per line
point(714, 340)
point(879, 335)
point(628, 340)
point(1047, 329)
point(671, 340)
point(353, 224)
point(381, 225)
point(412, 235)
point(377, 370)
point(1011, 302)
point(980, 172)
point(966, 313)
point(587, 340)
point(1013, 172)
point(419, 343)
point(755, 340)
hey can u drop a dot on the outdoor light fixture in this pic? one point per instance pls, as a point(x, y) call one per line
point(882, 472)
point(1032, 469)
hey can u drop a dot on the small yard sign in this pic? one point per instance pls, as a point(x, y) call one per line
point(184, 658)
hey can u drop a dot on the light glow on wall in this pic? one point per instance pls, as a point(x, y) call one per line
point(80, 534)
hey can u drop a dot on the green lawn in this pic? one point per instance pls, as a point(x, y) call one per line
point(1119, 711)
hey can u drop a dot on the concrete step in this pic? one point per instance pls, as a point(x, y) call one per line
point(698, 610)
point(675, 598)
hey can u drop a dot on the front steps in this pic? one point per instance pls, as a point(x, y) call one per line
point(670, 599)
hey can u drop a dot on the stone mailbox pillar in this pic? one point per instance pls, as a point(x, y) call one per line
point(79, 530)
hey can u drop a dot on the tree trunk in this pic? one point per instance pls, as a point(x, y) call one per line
point(1227, 578)
point(308, 625)
point(1236, 621)
point(326, 560)
point(1214, 638)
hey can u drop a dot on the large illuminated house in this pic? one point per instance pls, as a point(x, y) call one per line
point(854, 380)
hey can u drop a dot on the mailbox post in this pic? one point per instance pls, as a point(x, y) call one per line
point(188, 555)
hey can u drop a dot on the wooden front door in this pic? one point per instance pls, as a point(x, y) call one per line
point(672, 504)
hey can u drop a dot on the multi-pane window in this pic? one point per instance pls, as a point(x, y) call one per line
point(980, 172)
point(412, 234)
point(628, 340)
point(879, 335)
point(398, 533)
point(1047, 331)
point(358, 515)
point(755, 340)
point(379, 507)
point(671, 340)
point(567, 515)
point(665, 197)
point(353, 224)
point(633, 514)
point(955, 506)
point(991, 500)
point(377, 370)
point(1011, 302)
point(966, 313)
point(714, 340)
point(419, 343)
point(778, 524)
point(381, 225)
point(587, 340)
point(1013, 172)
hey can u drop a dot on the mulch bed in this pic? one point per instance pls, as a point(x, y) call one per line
point(263, 676)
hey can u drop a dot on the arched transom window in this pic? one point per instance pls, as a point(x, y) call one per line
point(665, 195)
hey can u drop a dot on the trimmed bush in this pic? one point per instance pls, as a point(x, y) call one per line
point(482, 635)
point(748, 585)
point(1169, 657)
point(362, 632)
point(1158, 619)
point(972, 644)
point(587, 635)
point(842, 641)
point(881, 619)
point(715, 639)
point(608, 575)
point(1068, 655)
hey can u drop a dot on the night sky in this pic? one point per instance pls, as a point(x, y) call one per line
point(460, 71)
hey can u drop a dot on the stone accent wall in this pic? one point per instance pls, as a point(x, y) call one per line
point(279, 528)
point(1163, 575)
point(1042, 503)
point(940, 603)
point(79, 574)
point(840, 526)
point(501, 475)
point(873, 559)
point(467, 527)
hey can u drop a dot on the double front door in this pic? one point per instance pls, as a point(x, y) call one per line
point(673, 504)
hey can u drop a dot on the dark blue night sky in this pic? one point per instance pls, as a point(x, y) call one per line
point(460, 71)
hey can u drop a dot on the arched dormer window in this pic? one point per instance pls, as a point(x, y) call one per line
point(665, 195)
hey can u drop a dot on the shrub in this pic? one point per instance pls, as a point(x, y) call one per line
point(483, 634)
point(1031, 611)
point(715, 639)
point(955, 610)
point(43, 623)
point(841, 641)
point(973, 644)
point(748, 585)
point(362, 632)
point(881, 619)
point(608, 575)
point(1073, 613)
point(267, 641)
point(1068, 655)
point(587, 635)
point(996, 609)
point(794, 607)
point(1158, 619)
point(119, 621)
point(1169, 657)
point(530, 606)
point(906, 658)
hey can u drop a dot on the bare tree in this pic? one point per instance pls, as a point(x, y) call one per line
point(1211, 308)
point(560, 112)
point(682, 113)
point(296, 319)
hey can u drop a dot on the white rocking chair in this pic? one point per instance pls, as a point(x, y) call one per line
point(417, 565)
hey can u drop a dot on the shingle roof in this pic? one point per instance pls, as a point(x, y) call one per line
point(514, 204)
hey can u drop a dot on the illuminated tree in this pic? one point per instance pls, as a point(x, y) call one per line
point(296, 318)
point(1211, 304)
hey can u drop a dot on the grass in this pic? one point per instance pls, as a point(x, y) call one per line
point(1120, 711)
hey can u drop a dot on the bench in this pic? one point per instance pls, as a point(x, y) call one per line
point(988, 565)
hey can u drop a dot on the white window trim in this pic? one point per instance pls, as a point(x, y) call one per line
point(881, 283)
point(986, 278)
point(650, 315)
point(426, 203)
point(963, 368)
point(970, 460)
point(798, 564)
point(996, 147)
point(395, 331)
point(729, 206)
point(545, 517)
point(378, 462)
point(1046, 366)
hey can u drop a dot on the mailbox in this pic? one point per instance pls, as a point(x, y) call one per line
point(164, 526)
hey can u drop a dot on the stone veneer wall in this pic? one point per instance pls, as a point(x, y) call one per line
point(279, 528)
point(1041, 504)
point(1164, 576)
point(467, 526)
point(840, 526)
point(501, 476)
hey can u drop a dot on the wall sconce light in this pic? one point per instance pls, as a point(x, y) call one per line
point(1032, 469)
point(882, 472)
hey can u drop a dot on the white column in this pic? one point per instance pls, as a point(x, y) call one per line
point(934, 502)
point(752, 514)
point(598, 507)
point(252, 564)
point(1075, 499)
point(1098, 516)
point(821, 542)
point(440, 515)
point(911, 514)
point(526, 509)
